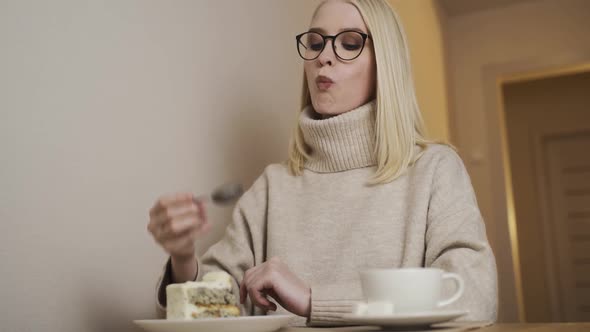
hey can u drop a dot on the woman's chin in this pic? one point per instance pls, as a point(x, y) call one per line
point(325, 107)
point(328, 112)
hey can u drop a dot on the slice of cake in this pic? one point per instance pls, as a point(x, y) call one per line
point(211, 297)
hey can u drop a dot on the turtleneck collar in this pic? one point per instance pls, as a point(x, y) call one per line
point(342, 142)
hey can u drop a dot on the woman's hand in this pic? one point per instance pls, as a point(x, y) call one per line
point(273, 278)
point(176, 221)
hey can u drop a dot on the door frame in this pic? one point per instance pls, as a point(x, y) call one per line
point(494, 76)
point(539, 142)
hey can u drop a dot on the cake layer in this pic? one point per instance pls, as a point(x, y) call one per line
point(214, 310)
point(205, 295)
point(211, 297)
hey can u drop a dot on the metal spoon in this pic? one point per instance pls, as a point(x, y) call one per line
point(224, 194)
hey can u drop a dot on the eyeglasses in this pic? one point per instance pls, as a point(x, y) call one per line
point(347, 45)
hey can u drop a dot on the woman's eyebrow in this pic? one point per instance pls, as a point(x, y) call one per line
point(322, 31)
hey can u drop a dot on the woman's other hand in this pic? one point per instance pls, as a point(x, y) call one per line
point(273, 278)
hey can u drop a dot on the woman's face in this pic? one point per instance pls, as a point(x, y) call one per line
point(353, 81)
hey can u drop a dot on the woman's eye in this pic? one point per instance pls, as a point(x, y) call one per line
point(351, 47)
point(315, 46)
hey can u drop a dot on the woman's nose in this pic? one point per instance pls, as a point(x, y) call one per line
point(327, 57)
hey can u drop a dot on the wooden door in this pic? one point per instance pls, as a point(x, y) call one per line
point(566, 159)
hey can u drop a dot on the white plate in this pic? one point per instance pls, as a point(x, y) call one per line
point(229, 324)
point(410, 319)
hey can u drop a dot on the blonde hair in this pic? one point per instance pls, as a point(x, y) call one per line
point(399, 126)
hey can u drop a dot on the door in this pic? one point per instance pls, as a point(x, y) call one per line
point(548, 135)
point(567, 161)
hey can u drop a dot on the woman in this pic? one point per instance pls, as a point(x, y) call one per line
point(362, 188)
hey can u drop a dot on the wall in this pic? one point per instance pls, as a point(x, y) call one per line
point(484, 47)
point(106, 105)
point(423, 25)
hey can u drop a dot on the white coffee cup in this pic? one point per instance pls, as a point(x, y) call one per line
point(405, 290)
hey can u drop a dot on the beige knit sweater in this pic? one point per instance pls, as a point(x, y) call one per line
point(328, 224)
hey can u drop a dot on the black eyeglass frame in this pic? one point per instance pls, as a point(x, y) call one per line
point(325, 42)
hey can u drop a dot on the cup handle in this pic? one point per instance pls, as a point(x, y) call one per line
point(460, 287)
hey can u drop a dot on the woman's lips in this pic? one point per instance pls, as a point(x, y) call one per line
point(323, 82)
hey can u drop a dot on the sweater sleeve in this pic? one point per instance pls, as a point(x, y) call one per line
point(456, 239)
point(329, 302)
point(239, 249)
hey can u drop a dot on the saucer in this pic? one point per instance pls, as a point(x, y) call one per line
point(404, 319)
point(229, 324)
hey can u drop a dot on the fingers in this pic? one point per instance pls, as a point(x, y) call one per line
point(257, 285)
point(168, 201)
point(247, 281)
point(178, 209)
point(272, 281)
point(165, 209)
point(176, 220)
point(201, 210)
point(259, 299)
point(175, 216)
point(179, 225)
point(243, 291)
point(266, 305)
